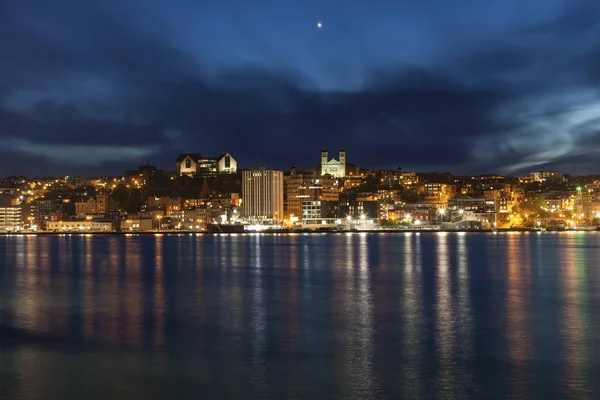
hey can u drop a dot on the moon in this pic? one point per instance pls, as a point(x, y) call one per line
point(319, 25)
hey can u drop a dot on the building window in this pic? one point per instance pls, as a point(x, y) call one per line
point(227, 162)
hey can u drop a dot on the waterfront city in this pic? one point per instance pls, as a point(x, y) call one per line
point(216, 194)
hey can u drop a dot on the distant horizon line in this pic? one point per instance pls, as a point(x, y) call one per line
point(62, 176)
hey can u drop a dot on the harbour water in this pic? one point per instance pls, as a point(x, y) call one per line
point(348, 316)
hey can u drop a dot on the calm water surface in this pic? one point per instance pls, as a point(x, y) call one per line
point(357, 316)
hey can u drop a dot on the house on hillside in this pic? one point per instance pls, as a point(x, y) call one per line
point(194, 164)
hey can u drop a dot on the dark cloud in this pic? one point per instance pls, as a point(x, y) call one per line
point(100, 92)
point(577, 18)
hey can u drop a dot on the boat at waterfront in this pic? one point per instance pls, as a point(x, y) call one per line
point(585, 228)
point(225, 228)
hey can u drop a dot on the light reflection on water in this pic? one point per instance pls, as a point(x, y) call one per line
point(574, 329)
point(413, 320)
point(301, 316)
point(518, 314)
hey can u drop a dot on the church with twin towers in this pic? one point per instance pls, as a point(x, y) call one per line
point(333, 167)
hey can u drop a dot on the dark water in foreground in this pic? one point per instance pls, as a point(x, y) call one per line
point(356, 316)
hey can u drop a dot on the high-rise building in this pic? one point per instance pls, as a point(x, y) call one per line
point(307, 186)
point(262, 195)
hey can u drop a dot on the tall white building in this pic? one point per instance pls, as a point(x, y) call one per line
point(333, 167)
point(262, 195)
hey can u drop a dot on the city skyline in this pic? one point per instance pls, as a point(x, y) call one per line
point(467, 88)
point(205, 192)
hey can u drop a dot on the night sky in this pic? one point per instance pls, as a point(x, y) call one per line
point(466, 86)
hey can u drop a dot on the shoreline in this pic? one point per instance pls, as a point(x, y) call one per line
point(284, 232)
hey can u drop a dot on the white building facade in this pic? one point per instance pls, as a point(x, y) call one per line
point(79, 225)
point(333, 167)
point(226, 164)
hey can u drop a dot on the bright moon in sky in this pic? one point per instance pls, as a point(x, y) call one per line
point(319, 25)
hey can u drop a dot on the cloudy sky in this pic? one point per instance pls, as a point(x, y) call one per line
point(467, 86)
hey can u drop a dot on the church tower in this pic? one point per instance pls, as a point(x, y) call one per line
point(324, 156)
point(342, 163)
